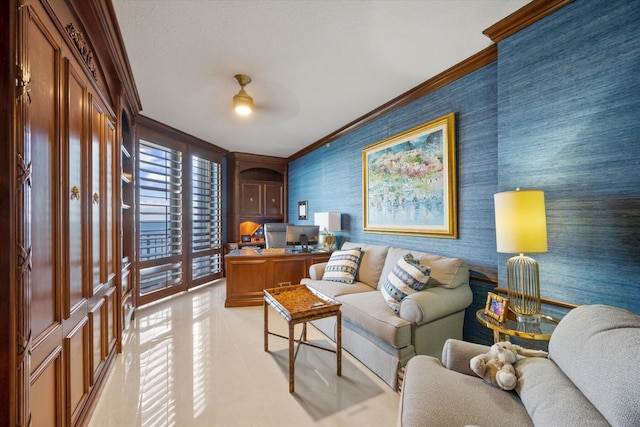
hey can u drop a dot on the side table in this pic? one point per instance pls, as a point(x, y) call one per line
point(299, 304)
point(511, 327)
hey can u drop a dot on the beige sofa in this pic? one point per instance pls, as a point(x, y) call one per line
point(591, 378)
point(373, 332)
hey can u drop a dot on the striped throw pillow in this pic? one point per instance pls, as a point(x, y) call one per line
point(343, 266)
point(406, 277)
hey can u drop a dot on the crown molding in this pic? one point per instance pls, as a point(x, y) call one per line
point(469, 65)
point(513, 23)
point(522, 18)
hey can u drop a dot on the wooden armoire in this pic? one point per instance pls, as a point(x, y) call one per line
point(66, 88)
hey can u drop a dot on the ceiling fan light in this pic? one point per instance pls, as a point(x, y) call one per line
point(242, 102)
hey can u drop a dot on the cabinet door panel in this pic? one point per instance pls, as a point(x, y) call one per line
point(290, 270)
point(77, 369)
point(273, 200)
point(110, 318)
point(44, 60)
point(251, 276)
point(47, 392)
point(251, 199)
point(107, 220)
point(75, 103)
point(97, 117)
point(97, 348)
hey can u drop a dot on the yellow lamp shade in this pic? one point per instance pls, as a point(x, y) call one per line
point(521, 223)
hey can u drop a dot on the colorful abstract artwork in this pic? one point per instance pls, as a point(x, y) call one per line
point(409, 181)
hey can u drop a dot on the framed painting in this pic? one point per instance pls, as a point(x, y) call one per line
point(409, 182)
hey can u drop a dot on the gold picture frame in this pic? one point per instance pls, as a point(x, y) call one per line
point(497, 307)
point(409, 182)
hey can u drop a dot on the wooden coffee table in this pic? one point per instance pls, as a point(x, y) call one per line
point(299, 304)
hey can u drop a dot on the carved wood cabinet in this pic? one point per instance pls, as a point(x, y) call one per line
point(70, 89)
point(256, 189)
point(261, 199)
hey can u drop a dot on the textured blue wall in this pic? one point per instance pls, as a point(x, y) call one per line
point(559, 111)
point(330, 178)
point(569, 124)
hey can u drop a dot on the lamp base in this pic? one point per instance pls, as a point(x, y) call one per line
point(523, 287)
point(531, 319)
point(327, 241)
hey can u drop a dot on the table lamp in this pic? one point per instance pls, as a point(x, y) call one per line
point(328, 222)
point(521, 226)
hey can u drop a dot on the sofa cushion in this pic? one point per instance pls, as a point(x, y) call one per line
point(446, 272)
point(597, 347)
point(407, 277)
point(371, 264)
point(370, 312)
point(551, 398)
point(343, 266)
point(435, 396)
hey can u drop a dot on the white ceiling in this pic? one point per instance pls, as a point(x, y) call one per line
point(316, 65)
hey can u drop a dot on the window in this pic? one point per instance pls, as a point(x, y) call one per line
point(179, 210)
point(160, 224)
point(206, 219)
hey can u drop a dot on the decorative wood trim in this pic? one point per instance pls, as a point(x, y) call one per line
point(9, 104)
point(523, 17)
point(83, 47)
point(244, 161)
point(454, 73)
point(483, 279)
point(22, 251)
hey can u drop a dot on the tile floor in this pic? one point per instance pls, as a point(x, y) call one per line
point(188, 361)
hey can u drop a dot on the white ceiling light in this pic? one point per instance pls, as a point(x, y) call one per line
point(242, 102)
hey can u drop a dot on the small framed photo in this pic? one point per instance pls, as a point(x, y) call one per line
point(302, 210)
point(497, 307)
point(246, 238)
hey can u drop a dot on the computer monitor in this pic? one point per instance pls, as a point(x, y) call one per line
point(275, 234)
point(303, 235)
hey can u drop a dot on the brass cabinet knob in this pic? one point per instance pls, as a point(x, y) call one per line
point(96, 198)
point(273, 200)
point(75, 193)
point(251, 199)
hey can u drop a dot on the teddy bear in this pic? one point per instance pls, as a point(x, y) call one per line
point(496, 366)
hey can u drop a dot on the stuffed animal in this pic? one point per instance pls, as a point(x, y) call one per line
point(496, 366)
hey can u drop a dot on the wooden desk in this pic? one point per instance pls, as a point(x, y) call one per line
point(249, 273)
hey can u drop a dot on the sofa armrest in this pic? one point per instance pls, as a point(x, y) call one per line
point(434, 303)
point(316, 271)
point(456, 355)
